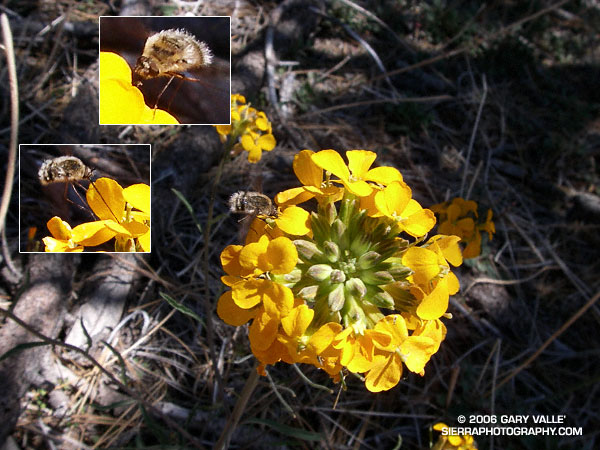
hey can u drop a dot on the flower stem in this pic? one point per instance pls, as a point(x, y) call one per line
point(238, 410)
point(208, 303)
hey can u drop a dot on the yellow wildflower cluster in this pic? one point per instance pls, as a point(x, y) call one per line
point(124, 214)
point(459, 217)
point(122, 103)
point(459, 442)
point(250, 130)
point(340, 287)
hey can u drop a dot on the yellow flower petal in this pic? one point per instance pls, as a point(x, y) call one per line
point(105, 197)
point(152, 116)
point(359, 162)
point(423, 262)
point(296, 323)
point(440, 426)
point(59, 229)
point(323, 337)
point(294, 220)
point(306, 170)
point(263, 332)
point(331, 161)
point(416, 351)
point(120, 103)
point(230, 260)
point(436, 303)
point(385, 373)
point(130, 230)
point(253, 256)
point(113, 66)
point(293, 196)
point(282, 255)
point(419, 223)
point(59, 246)
point(393, 325)
point(144, 241)
point(248, 142)
point(278, 300)
point(248, 293)
point(266, 142)
point(138, 196)
point(383, 175)
point(93, 233)
point(392, 200)
point(231, 313)
point(448, 245)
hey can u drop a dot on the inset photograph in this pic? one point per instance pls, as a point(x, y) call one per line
point(84, 198)
point(165, 70)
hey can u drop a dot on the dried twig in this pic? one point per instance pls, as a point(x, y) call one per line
point(473, 134)
point(14, 118)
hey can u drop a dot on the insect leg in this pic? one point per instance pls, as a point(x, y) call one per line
point(161, 93)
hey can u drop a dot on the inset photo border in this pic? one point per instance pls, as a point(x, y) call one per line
point(165, 70)
point(84, 198)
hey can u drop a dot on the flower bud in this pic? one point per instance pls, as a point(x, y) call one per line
point(400, 272)
point(307, 249)
point(330, 212)
point(368, 259)
point(356, 287)
point(338, 227)
point(336, 298)
point(319, 272)
point(337, 276)
point(383, 300)
point(332, 251)
point(294, 276)
point(308, 293)
point(379, 277)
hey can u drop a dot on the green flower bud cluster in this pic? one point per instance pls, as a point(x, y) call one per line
point(344, 267)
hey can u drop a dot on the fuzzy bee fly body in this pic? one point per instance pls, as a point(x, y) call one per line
point(252, 203)
point(170, 52)
point(63, 169)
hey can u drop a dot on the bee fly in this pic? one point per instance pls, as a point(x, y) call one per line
point(252, 203)
point(68, 170)
point(167, 54)
point(63, 169)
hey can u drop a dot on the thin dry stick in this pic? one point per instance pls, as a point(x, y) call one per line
point(473, 134)
point(238, 410)
point(551, 339)
point(14, 117)
point(494, 378)
point(433, 98)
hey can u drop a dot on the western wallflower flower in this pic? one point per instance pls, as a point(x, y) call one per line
point(122, 103)
point(62, 237)
point(356, 175)
point(106, 198)
point(311, 176)
point(453, 442)
point(123, 214)
point(459, 217)
point(395, 201)
point(346, 287)
point(250, 130)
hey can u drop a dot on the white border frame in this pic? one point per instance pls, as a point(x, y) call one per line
point(162, 17)
point(84, 145)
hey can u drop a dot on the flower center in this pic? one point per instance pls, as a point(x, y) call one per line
point(348, 267)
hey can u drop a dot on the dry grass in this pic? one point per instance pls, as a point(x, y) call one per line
point(500, 102)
